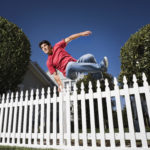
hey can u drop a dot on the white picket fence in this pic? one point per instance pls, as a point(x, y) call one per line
point(30, 120)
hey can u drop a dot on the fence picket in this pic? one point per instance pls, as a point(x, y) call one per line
point(68, 117)
point(15, 119)
point(76, 124)
point(110, 116)
point(54, 118)
point(92, 116)
point(36, 129)
point(129, 113)
point(5, 117)
point(25, 118)
point(61, 125)
point(140, 113)
point(42, 118)
point(101, 115)
point(83, 114)
point(147, 93)
point(2, 113)
point(48, 116)
point(119, 114)
point(20, 118)
point(10, 117)
point(30, 117)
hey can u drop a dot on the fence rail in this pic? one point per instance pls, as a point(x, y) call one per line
point(110, 119)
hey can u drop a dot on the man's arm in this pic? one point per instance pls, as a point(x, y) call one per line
point(74, 36)
point(58, 80)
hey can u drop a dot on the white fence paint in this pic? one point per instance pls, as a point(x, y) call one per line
point(30, 120)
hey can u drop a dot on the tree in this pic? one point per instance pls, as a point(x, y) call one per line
point(135, 56)
point(14, 55)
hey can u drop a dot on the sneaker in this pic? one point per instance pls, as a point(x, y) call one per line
point(104, 64)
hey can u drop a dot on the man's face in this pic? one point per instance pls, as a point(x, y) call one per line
point(47, 49)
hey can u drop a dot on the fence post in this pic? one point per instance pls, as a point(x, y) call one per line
point(119, 114)
point(147, 94)
point(76, 125)
point(20, 118)
point(110, 117)
point(30, 117)
point(83, 109)
point(54, 118)
point(139, 112)
point(10, 116)
point(92, 115)
point(48, 115)
point(1, 115)
point(42, 118)
point(15, 119)
point(5, 117)
point(68, 116)
point(25, 118)
point(36, 117)
point(129, 113)
point(101, 115)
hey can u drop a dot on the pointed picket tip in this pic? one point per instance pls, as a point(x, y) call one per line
point(17, 94)
point(134, 78)
point(144, 77)
point(54, 89)
point(90, 85)
point(21, 95)
point(31, 92)
point(98, 84)
point(82, 86)
point(124, 80)
point(106, 83)
point(75, 87)
point(8, 95)
point(12, 95)
point(48, 90)
point(43, 91)
point(27, 92)
point(3, 96)
point(115, 81)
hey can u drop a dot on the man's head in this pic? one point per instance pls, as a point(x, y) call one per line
point(46, 47)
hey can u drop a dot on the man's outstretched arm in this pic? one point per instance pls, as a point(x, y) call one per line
point(74, 36)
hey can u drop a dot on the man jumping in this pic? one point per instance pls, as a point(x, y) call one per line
point(59, 59)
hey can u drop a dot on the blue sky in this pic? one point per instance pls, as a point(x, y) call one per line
point(111, 22)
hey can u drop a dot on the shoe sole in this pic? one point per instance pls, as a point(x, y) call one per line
point(106, 61)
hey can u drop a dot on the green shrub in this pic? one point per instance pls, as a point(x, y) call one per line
point(14, 55)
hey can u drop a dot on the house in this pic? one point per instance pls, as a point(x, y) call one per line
point(35, 78)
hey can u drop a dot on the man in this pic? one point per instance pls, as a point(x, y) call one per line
point(59, 59)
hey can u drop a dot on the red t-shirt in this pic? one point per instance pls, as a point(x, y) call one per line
point(59, 58)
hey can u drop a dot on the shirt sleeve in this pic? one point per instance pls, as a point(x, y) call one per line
point(62, 44)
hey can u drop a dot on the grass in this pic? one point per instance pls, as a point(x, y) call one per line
point(20, 148)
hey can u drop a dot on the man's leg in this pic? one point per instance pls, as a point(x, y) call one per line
point(87, 58)
point(85, 64)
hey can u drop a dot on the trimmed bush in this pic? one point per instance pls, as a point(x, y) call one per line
point(14, 55)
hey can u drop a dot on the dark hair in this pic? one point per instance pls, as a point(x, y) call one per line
point(44, 41)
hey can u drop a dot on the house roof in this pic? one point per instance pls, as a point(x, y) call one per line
point(40, 73)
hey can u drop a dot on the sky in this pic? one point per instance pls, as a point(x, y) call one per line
point(111, 22)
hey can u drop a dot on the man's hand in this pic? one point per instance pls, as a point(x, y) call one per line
point(60, 88)
point(77, 35)
point(58, 80)
point(86, 33)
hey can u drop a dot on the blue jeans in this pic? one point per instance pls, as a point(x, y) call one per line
point(85, 64)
